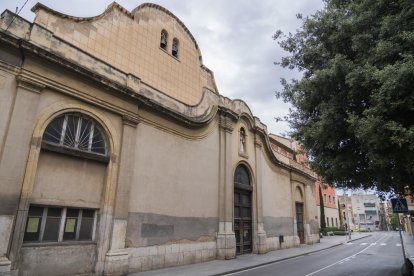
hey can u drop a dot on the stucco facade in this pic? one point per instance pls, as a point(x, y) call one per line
point(183, 174)
point(366, 211)
point(330, 201)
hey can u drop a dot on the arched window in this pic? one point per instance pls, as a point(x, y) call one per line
point(175, 45)
point(77, 132)
point(241, 176)
point(164, 39)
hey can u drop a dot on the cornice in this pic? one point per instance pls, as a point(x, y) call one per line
point(226, 123)
point(29, 84)
point(129, 120)
point(113, 5)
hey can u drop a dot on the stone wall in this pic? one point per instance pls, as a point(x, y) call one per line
point(58, 260)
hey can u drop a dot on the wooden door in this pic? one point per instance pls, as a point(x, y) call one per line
point(299, 222)
point(243, 220)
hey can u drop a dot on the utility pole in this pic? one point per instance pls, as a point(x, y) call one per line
point(347, 216)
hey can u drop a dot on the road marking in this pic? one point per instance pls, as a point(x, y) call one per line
point(260, 266)
point(364, 243)
point(374, 243)
point(344, 259)
point(398, 244)
point(382, 244)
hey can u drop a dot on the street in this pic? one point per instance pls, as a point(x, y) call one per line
point(380, 254)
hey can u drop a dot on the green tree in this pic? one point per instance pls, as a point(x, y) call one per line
point(322, 211)
point(353, 108)
point(394, 221)
point(341, 222)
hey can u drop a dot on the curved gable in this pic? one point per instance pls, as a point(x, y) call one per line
point(130, 41)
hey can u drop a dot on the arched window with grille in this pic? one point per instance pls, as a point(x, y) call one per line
point(175, 47)
point(241, 176)
point(164, 39)
point(75, 133)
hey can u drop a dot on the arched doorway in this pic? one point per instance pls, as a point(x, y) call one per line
point(299, 215)
point(243, 210)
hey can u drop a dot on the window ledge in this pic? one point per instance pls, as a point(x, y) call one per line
point(165, 51)
point(74, 152)
point(63, 243)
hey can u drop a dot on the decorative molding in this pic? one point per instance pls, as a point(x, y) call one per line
point(36, 142)
point(113, 157)
point(226, 123)
point(130, 120)
point(30, 84)
point(258, 141)
point(133, 82)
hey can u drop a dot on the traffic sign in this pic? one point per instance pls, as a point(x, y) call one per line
point(399, 205)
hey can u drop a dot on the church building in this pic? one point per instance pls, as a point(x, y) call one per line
point(118, 154)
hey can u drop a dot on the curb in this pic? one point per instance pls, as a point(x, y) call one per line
point(287, 258)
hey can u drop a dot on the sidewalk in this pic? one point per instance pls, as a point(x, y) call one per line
point(408, 245)
point(220, 267)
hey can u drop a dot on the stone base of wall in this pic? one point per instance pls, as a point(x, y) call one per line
point(313, 238)
point(64, 259)
point(156, 257)
point(5, 266)
point(272, 243)
point(226, 246)
point(116, 263)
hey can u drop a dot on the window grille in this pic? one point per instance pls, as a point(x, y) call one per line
point(75, 131)
point(241, 176)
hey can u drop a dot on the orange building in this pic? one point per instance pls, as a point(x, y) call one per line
point(330, 201)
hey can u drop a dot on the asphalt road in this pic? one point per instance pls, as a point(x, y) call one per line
point(378, 255)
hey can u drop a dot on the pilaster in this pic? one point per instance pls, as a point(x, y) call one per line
point(226, 240)
point(116, 259)
point(261, 233)
point(13, 161)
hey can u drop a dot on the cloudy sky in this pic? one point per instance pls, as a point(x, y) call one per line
point(235, 38)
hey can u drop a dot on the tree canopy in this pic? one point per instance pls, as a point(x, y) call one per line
point(353, 108)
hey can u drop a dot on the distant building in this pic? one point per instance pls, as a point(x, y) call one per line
point(408, 218)
point(366, 211)
point(346, 202)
